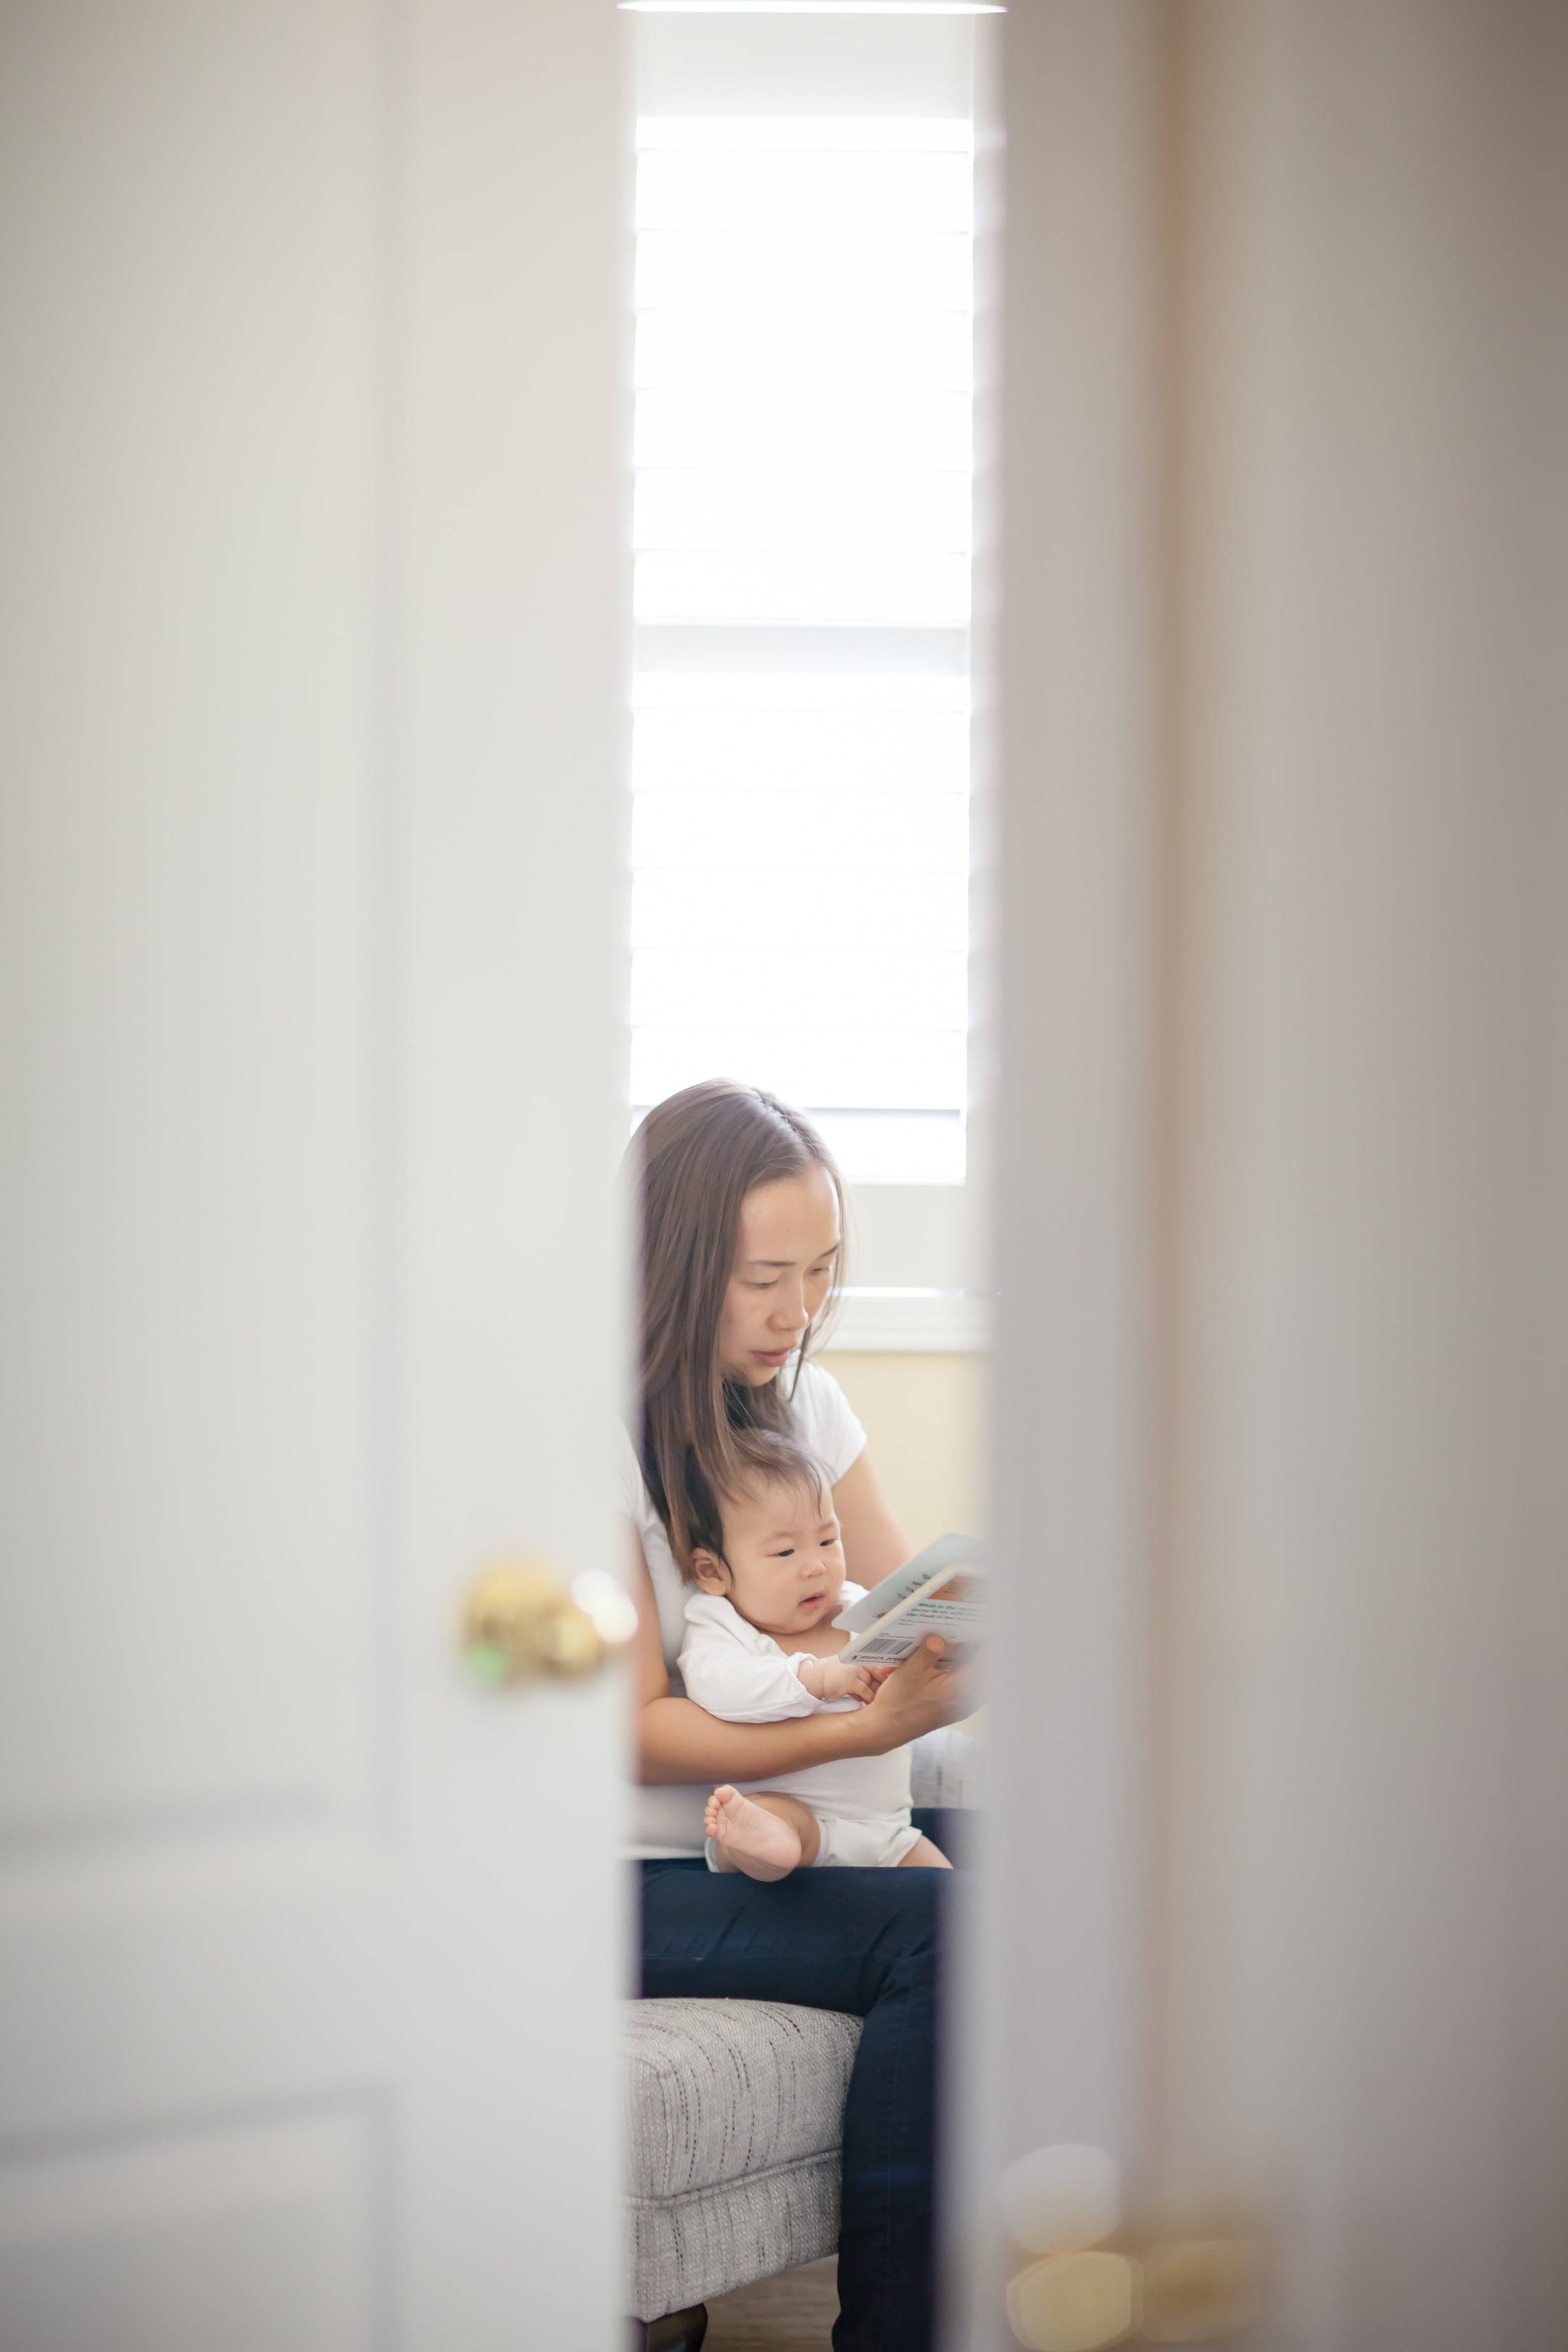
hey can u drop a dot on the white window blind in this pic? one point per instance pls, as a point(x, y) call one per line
point(800, 762)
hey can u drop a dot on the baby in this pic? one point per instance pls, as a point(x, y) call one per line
point(761, 1646)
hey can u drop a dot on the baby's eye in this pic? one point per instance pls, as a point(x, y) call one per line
point(787, 1553)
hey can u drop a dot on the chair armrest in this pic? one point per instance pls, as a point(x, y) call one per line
point(946, 1767)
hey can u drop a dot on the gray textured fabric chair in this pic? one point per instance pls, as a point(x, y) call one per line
point(734, 2119)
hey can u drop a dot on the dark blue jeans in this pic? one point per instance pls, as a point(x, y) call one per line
point(866, 1942)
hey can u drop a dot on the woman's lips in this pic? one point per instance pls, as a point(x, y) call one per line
point(772, 1356)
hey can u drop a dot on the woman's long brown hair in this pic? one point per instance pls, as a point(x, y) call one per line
point(697, 1155)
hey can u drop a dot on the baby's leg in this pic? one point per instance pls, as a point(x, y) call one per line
point(923, 1855)
point(766, 1837)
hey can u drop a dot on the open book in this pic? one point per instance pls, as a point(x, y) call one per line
point(938, 1591)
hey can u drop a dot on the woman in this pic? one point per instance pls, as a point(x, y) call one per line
point(741, 1233)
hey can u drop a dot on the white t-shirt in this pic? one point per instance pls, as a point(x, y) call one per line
point(742, 1675)
point(669, 1819)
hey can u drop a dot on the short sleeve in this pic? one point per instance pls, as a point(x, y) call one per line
point(825, 1422)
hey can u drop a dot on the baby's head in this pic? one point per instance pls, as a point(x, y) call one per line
point(772, 1546)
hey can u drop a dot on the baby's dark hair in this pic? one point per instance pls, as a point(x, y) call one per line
point(767, 1457)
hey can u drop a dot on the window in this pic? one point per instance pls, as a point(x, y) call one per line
point(802, 532)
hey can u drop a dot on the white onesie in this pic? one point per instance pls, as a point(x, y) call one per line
point(742, 1676)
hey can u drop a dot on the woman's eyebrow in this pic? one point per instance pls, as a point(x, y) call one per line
point(783, 1262)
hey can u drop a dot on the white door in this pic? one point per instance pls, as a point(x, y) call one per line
point(311, 1289)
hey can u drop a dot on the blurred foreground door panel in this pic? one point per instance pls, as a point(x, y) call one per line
point(1278, 1912)
point(308, 1948)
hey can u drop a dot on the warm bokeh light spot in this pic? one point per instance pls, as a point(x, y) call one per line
point(1074, 2303)
point(1200, 2288)
point(1056, 2199)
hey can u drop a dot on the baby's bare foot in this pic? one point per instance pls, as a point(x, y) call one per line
point(748, 1837)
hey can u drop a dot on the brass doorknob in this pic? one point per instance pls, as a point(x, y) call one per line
point(522, 1620)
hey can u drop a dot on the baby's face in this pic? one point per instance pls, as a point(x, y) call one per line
point(786, 1559)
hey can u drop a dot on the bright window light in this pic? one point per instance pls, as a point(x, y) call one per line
point(755, 135)
point(808, 432)
point(885, 589)
point(763, 350)
point(780, 270)
point(814, 8)
point(888, 510)
point(901, 191)
point(803, 432)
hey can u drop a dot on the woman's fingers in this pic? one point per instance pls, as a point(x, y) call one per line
point(922, 1694)
point(956, 1673)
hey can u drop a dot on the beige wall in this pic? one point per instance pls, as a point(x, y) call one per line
point(923, 1417)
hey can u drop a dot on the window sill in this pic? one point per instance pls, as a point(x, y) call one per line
point(876, 1321)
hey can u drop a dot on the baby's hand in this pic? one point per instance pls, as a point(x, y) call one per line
point(839, 1681)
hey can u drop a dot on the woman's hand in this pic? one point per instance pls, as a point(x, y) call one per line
point(919, 1696)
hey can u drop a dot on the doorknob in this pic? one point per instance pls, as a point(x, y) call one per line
point(522, 1621)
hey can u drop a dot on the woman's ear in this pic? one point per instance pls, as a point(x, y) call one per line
point(710, 1571)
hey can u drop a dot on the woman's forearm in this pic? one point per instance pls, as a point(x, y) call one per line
point(680, 1741)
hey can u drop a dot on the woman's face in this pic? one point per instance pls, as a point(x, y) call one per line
point(784, 1257)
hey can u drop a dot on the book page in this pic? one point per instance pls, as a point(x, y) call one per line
point(947, 1551)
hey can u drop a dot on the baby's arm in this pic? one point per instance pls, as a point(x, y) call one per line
point(736, 1684)
point(831, 1678)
